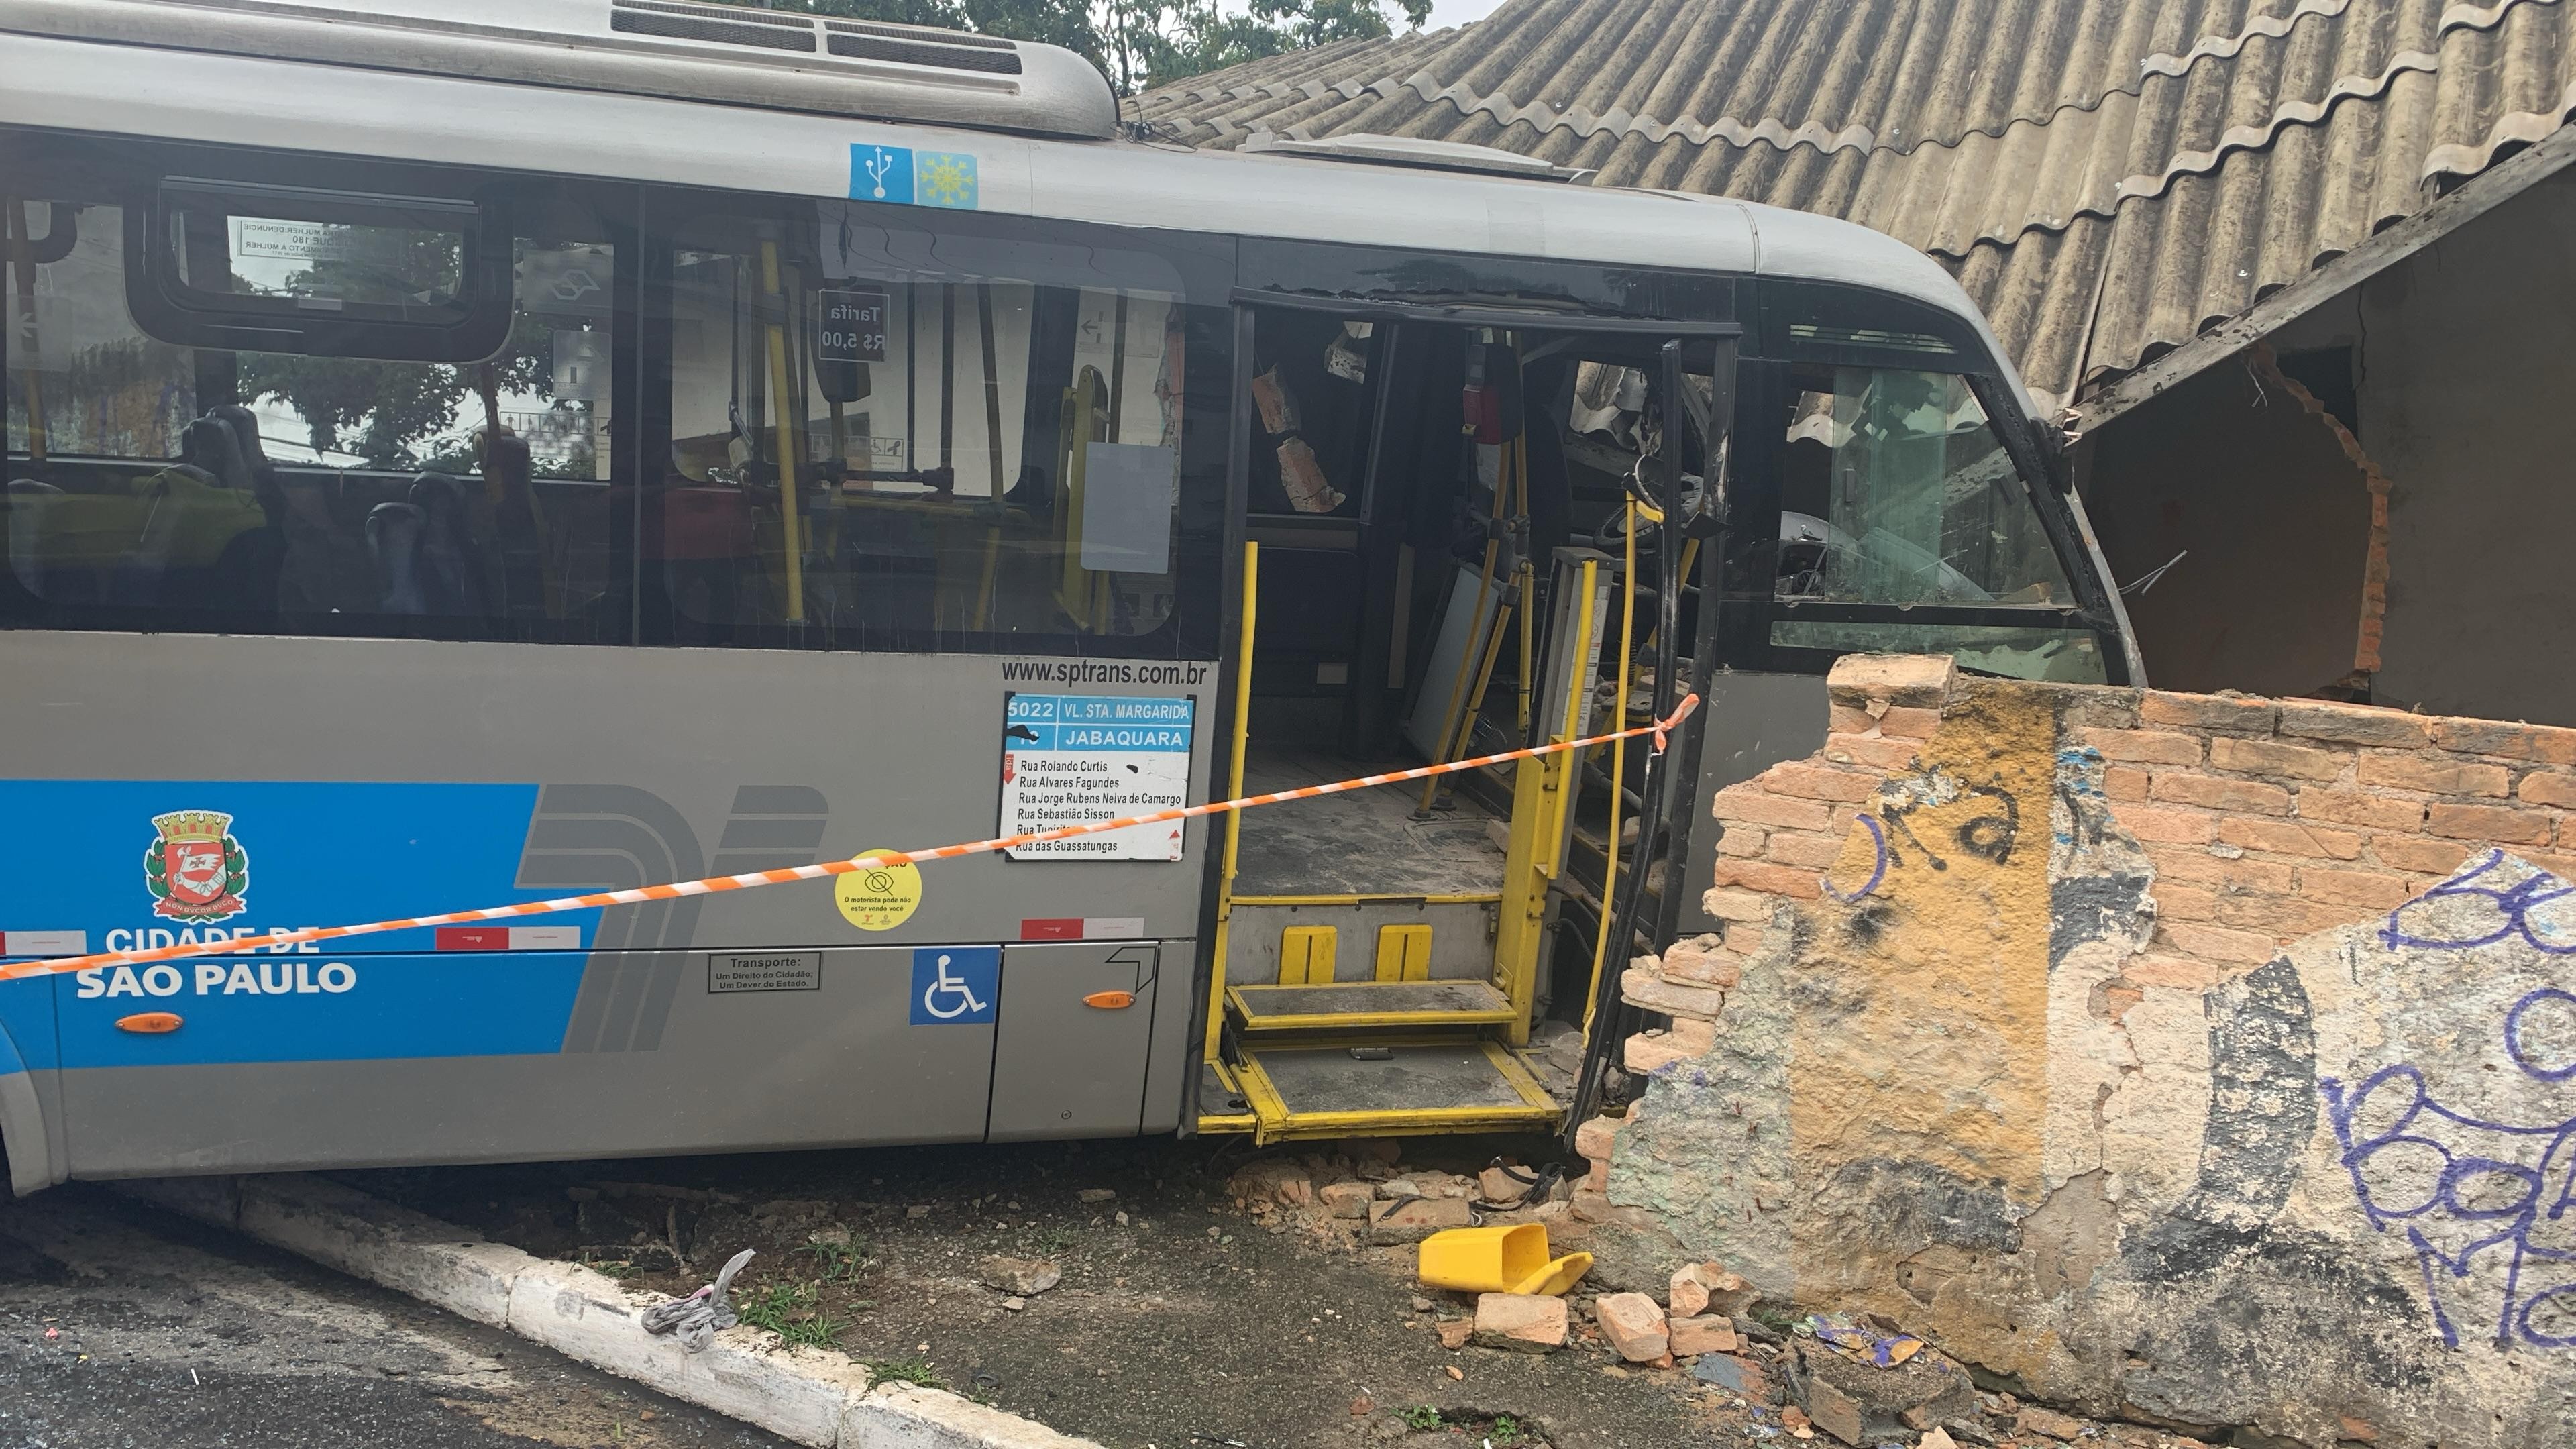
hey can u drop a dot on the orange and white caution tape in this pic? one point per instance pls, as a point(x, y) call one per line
point(875, 860)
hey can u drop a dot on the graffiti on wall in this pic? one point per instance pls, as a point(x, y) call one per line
point(2480, 1186)
point(1891, 820)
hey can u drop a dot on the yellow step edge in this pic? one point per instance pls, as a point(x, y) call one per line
point(1246, 1019)
point(1471, 898)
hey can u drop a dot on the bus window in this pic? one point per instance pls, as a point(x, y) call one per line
point(156, 482)
point(881, 437)
point(1895, 490)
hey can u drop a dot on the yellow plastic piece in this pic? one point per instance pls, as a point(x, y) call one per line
point(1557, 1276)
point(1404, 953)
point(1484, 1260)
point(1306, 955)
point(1508, 1259)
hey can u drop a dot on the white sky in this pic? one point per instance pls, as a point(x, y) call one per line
point(1445, 13)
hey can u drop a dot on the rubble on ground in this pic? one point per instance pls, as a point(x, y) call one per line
point(1046, 1284)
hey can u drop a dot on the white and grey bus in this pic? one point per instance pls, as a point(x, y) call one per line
point(462, 452)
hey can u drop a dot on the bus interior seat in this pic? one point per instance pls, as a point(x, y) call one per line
point(518, 527)
point(28, 498)
point(393, 543)
point(445, 570)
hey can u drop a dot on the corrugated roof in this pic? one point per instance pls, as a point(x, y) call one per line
point(2106, 177)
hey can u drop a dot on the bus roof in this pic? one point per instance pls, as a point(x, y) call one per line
point(554, 86)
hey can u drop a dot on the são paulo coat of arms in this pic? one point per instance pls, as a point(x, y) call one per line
point(195, 869)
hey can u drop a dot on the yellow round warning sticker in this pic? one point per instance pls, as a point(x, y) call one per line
point(878, 897)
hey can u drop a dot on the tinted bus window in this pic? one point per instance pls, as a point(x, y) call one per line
point(347, 474)
point(885, 436)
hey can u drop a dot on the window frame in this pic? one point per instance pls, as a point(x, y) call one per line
point(1742, 576)
point(168, 308)
point(124, 173)
point(1205, 264)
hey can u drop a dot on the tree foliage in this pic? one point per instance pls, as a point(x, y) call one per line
point(1143, 43)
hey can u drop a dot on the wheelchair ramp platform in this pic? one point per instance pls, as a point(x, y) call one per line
point(1340, 1089)
point(1368, 1005)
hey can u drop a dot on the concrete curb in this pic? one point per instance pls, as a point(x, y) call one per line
point(806, 1395)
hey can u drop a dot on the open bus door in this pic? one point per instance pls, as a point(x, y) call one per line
point(1442, 556)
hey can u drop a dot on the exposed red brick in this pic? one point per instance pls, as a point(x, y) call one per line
point(2561, 866)
point(2285, 917)
point(2380, 888)
point(1872, 750)
point(2503, 824)
point(2541, 744)
point(2288, 837)
point(2434, 776)
point(2549, 787)
point(1916, 679)
point(2124, 782)
point(2199, 866)
point(2208, 712)
point(1742, 840)
point(2354, 807)
point(2215, 792)
point(2146, 747)
point(1751, 802)
point(2353, 724)
point(1707, 964)
point(1734, 903)
point(1597, 1138)
point(2179, 973)
point(2167, 824)
point(1915, 723)
point(1800, 847)
point(2178, 902)
point(2271, 757)
point(2214, 943)
point(1848, 719)
point(2415, 853)
point(1779, 880)
point(1817, 783)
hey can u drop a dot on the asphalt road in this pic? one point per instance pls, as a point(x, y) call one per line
point(125, 1328)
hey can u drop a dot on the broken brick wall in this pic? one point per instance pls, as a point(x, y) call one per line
point(2197, 1058)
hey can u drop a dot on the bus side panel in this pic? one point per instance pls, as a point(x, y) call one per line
point(30, 1101)
point(200, 787)
point(839, 1063)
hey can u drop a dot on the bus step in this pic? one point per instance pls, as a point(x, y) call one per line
point(1368, 1006)
point(1396, 1086)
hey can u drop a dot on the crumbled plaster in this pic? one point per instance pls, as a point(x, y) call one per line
point(2319, 1188)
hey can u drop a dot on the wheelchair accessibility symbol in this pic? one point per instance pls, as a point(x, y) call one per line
point(955, 985)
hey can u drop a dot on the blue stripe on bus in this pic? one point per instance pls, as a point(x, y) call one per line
point(79, 856)
point(322, 1008)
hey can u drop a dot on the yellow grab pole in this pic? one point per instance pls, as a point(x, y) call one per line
point(1618, 776)
point(1466, 661)
point(1457, 746)
point(1234, 789)
point(790, 536)
point(1578, 686)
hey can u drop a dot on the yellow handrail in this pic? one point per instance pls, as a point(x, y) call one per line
point(1234, 789)
point(1618, 774)
point(790, 536)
